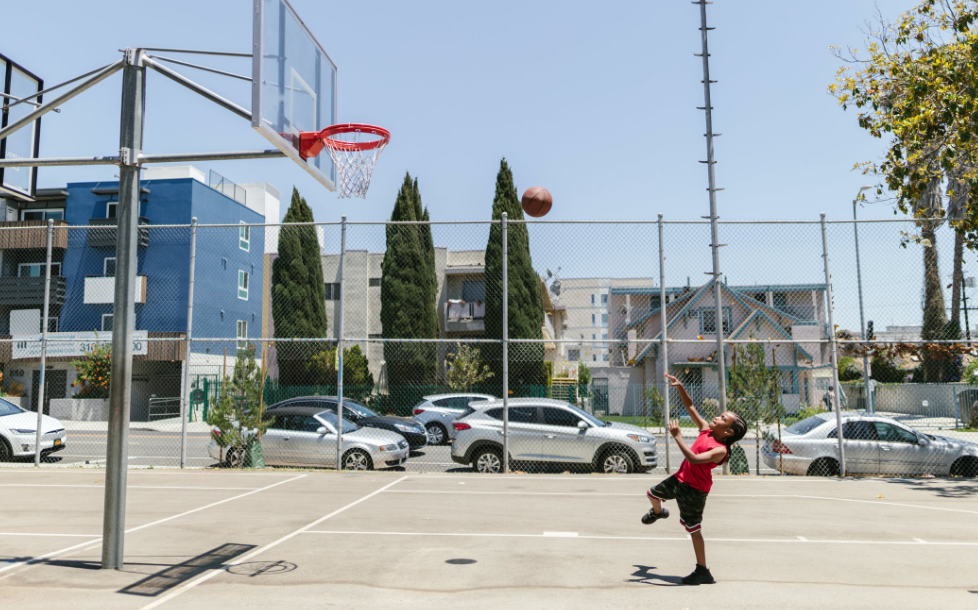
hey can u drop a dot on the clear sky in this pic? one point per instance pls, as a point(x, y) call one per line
point(595, 101)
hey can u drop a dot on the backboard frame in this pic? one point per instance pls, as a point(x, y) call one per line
point(290, 148)
point(7, 67)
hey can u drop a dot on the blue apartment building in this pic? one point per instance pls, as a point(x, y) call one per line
point(228, 282)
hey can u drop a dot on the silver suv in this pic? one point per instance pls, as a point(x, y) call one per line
point(549, 432)
point(437, 412)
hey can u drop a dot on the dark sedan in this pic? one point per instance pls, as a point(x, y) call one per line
point(413, 432)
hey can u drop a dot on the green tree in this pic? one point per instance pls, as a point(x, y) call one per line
point(465, 371)
point(93, 373)
point(583, 379)
point(236, 412)
point(358, 381)
point(525, 297)
point(298, 292)
point(848, 371)
point(408, 290)
point(754, 390)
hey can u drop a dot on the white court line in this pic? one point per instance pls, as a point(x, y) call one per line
point(560, 534)
point(627, 478)
point(207, 488)
point(167, 471)
point(91, 544)
point(802, 538)
point(712, 495)
point(212, 573)
point(51, 535)
point(640, 538)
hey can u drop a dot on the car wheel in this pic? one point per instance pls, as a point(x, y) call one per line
point(617, 462)
point(824, 467)
point(436, 434)
point(233, 457)
point(356, 460)
point(488, 461)
point(965, 467)
point(6, 453)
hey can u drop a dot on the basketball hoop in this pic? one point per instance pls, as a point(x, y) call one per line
point(353, 155)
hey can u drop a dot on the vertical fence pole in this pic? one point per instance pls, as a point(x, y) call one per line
point(664, 353)
point(44, 345)
point(184, 399)
point(124, 309)
point(505, 343)
point(868, 399)
point(339, 350)
point(835, 356)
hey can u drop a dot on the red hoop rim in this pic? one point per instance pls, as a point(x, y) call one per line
point(333, 130)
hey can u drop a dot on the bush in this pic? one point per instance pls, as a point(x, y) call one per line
point(805, 411)
point(93, 372)
point(848, 370)
point(885, 371)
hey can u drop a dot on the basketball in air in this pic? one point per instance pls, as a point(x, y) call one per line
point(537, 201)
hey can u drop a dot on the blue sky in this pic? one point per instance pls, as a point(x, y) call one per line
point(596, 102)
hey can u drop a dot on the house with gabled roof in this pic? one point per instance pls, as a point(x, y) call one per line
point(794, 313)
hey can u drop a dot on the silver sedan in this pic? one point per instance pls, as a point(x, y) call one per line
point(873, 444)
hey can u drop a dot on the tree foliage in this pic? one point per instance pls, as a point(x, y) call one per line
point(236, 412)
point(93, 373)
point(525, 296)
point(465, 369)
point(298, 291)
point(358, 381)
point(754, 391)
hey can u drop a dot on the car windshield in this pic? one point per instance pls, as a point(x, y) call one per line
point(805, 426)
point(7, 408)
point(594, 421)
point(359, 409)
point(330, 418)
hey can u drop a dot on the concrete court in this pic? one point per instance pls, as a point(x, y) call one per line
point(290, 540)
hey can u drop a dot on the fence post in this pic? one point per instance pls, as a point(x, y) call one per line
point(505, 220)
point(185, 396)
point(339, 350)
point(835, 356)
point(44, 345)
point(664, 354)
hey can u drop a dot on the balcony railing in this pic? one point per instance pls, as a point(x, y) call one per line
point(29, 291)
point(32, 234)
point(461, 316)
point(102, 233)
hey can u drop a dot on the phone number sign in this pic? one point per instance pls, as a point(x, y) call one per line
point(72, 344)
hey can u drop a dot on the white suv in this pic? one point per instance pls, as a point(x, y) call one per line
point(437, 412)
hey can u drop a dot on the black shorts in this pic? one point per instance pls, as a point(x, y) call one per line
point(691, 501)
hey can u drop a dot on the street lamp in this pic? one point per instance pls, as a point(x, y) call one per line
point(859, 282)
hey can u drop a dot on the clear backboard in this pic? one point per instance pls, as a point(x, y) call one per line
point(17, 83)
point(294, 85)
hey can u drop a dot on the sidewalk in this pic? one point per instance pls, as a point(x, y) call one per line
point(162, 425)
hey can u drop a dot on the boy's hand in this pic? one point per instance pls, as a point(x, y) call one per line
point(673, 381)
point(674, 428)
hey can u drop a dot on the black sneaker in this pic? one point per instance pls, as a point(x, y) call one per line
point(651, 517)
point(700, 576)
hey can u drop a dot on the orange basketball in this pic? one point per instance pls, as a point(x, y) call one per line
point(537, 201)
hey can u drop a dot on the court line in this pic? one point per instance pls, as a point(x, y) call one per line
point(632, 478)
point(718, 495)
point(212, 573)
point(203, 488)
point(641, 539)
point(51, 535)
point(91, 544)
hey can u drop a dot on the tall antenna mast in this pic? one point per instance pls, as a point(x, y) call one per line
point(714, 234)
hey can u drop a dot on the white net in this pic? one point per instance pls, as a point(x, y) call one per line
point(354, 167)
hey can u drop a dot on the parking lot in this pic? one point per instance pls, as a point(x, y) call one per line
point(356, 540)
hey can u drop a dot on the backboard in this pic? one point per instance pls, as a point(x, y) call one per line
point(16, 83)
point(293, 86)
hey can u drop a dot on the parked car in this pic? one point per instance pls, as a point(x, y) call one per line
point(873, 444)
point(18, 432)
point(437, 412)
point(362, 416)
point(551, 432)
point(306, 436)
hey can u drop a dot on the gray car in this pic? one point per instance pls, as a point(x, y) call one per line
point(306, 436)
point(549, 432)
point(873, 444)
point(437, 412)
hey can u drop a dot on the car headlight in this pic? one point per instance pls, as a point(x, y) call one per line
point(22, 431)
point(640, 439)
point(388, 447)
point(404, 428)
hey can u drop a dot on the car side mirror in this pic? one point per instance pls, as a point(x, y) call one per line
point(583, 425)
point(322, 430)
point(921, 440)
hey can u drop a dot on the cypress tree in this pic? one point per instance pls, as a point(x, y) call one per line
point(525, 298)
point(298, 292)
point(406, 299)
point(430, 273)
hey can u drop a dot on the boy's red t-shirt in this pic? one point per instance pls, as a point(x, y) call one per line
point(698, 476)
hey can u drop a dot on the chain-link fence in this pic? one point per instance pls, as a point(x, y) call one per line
point(460, 350)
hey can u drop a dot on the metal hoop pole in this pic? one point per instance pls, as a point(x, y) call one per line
point(505, 344)
point(185, 396)
point(44, 346)
point(665, 344)
point(339, 350)
point(834, 351)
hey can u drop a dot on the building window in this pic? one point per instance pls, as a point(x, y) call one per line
point(473, 290)
point(52, 324)
point(244, 236)
point(604, 299)
point(760, 297)
point(111, 208)
point(333, 292)
point(605, 357)
point(52, 214)
point(573, 355)
point(594, 299)
point(37, 269)
point(780, 300)
point(594, 319)
point(604, 319)
point(375, 336)
point(594, 357)
point(109, 266)
point(708, 321)
point(374, 282)
point(243, 285)
point(242, 334)
point(107, 322)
